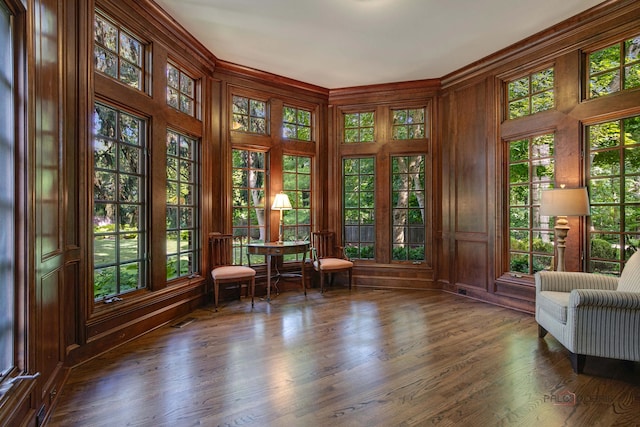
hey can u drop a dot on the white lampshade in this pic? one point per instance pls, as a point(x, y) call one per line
point(564, 202)
point(281, 202)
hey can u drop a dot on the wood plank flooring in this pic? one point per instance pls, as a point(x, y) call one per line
point(359, 358)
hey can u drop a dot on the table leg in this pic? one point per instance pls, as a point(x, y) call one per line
point(304, 284)
point(268, 278)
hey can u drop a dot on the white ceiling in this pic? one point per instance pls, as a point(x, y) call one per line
point(343, 43)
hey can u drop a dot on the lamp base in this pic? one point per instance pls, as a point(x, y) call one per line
point(562, 229)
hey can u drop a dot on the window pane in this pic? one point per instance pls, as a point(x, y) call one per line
point(614, 68)
point(358, 127)
point(7, 197)
point(297, 185)
point(531, 170)
point(248, 211)
point(614, 188)
point(117, 53)
point(119, 221)
point(249, 115)
point(180, 90)
point(531, 94)
point(296, 124)
point(408, 124)
point(359, 221)
point(182, 247)
point(408, 214)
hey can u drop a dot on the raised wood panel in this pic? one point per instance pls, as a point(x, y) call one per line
point(471, 263)
point(470, 159)
point(47, 129)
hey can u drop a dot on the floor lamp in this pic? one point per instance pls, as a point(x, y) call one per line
point(281, 203)
point(562, 202)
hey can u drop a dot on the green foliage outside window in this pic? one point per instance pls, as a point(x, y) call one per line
point(248, 178)
point(614, 187)
point(614, 68)
point(408, 202)
point(117, 53)
point(182, 247)
point(296, 124)
point(358, 176)
point(249, 115)
point(358, 127)
point(296, 183)
point(180, 90)
point(531, 94)
point(119, 211)
point(409, 123)
point(531, 171)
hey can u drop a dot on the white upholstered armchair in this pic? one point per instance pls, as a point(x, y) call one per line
point(591, 314)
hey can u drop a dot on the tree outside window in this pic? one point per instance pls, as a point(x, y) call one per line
point(614, 190)
point(248, 212)
point(358, 175)
point(119, 202)
point(408, 202)
point(531, 171)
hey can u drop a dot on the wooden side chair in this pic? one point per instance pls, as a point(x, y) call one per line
point(328, 258)
point(222, 268)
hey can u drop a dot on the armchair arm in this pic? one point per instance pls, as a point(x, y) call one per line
point(603, 298)
point(342, 253)
point(566, 281)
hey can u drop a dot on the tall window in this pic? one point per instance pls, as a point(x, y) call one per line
point(409, 123)
point(408, 202)
point(181, 90)
point(531, 170)
point(614, 186)
point(146, 217)
point(296, 123)
point(249, 191)
point(8, 251)
point(296, 181)
point(358, 176)
point(531, 94)
point(118, 53)
point(614, 68)
point(119, 202)
point(249, 115)
point(358, 127)
point(182, 203)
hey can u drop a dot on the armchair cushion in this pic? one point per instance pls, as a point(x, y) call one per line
point(554, 303)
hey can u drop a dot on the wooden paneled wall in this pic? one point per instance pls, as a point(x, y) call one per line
point(473, 130)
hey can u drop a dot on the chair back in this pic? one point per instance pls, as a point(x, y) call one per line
point(220, 249)
point(630, 277)
point(323, 243)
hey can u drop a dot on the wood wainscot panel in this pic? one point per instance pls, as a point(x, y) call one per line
point(471, 263)
point(470, 160)
point(117, 326)
point(393, 276)
point(516, 288)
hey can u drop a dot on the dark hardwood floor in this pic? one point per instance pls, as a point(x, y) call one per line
point(359, 358)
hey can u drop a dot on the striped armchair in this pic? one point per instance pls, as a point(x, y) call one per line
point(591, 314)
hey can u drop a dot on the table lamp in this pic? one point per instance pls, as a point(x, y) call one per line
point(562, 202)
point(281, 203)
